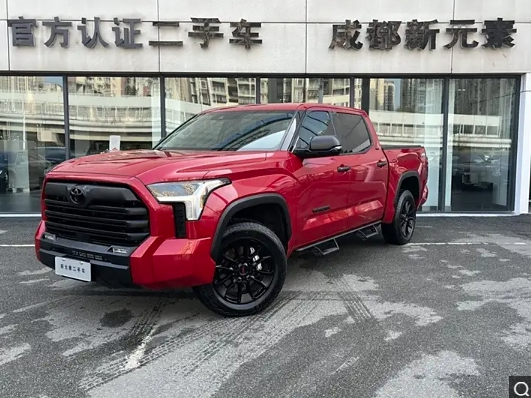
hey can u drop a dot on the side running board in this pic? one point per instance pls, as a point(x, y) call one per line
point(368, 232)
point(330, 245)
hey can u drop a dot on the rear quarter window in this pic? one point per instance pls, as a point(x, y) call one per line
point(352, 132)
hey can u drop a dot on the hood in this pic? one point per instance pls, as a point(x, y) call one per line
point(153, 166)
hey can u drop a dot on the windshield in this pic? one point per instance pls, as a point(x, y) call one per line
point(246, 130)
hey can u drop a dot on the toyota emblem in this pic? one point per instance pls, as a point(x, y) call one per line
point(76, 195)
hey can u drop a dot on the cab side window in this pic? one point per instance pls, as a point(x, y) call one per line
point(315, 123)
point(352, 132)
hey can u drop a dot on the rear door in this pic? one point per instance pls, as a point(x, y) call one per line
point(368, 172)
point(324, 189)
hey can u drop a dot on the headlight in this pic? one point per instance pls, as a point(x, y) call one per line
point(192, 193)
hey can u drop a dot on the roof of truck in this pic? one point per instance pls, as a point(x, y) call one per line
point(284, 107)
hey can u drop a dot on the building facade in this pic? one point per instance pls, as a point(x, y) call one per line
point(79, 78)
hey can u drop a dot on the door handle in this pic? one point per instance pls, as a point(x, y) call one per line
point(381, 163)
point(343, 169)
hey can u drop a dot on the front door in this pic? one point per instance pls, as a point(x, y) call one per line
point(324, 186)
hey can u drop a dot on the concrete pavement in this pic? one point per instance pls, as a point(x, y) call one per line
point(447, 316)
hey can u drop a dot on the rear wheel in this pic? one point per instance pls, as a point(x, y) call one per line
point(401, 230)
point(249, 274)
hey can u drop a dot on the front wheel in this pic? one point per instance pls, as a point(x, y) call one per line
point(400, 231)
point(250, 272)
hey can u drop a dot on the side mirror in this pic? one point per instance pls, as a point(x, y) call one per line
point(320, 146)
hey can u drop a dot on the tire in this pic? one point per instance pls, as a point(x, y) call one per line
point(256, 282)
point(401, 230)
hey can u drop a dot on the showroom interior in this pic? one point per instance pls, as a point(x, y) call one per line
point(468, 124)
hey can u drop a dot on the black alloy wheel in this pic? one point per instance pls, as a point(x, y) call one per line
point(401, 230)
point(249, 274)
point(245, 272)
point(407, 218)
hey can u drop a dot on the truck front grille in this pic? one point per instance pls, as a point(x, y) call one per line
point(103, 214)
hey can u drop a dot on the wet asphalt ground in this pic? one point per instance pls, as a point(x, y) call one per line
point(447, 316)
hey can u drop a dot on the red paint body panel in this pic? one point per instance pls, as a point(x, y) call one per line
point(38, 234)
point(364, 195)
point(402, 161)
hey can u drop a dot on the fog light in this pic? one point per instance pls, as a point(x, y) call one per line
point(119, 250)
point(49, 236)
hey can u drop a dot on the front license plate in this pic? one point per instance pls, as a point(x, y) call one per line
point(73, 269)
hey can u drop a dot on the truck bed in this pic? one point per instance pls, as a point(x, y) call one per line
point(410, 157)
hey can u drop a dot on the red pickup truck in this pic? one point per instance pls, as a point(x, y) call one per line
point(222, 202)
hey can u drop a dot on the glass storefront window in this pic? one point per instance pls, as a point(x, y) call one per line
point(409, 112)
point(480, 138)
point(357, 93)
point(113, 113)
point(298, 90)
point(124, 113)
point(186, 97)
point(32, 138)
point(282, 90)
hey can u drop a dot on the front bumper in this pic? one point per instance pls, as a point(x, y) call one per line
point(157, 263)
